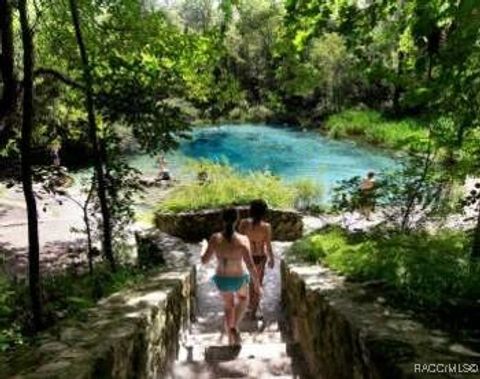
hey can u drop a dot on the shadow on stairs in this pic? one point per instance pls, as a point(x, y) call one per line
point(264, 353)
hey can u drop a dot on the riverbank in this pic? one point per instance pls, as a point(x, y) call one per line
point(374, 129)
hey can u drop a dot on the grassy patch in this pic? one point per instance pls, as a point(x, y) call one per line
point(371, 127)
point(424, 270)
point(145, 217)
point(224, 186)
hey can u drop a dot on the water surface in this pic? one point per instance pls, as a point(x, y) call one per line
point(289, 153)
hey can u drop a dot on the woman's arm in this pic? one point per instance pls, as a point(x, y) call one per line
point(247, 258)
point(209, 249)
point(268, 245)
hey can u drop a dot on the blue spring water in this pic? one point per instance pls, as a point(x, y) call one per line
point(289, 153)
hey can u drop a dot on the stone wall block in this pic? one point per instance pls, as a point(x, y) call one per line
point(344, 334)
point(287, 225)
point(131, 335)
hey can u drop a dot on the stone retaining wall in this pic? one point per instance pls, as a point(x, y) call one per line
point(195, 226)
point(131, 334)
point(346, 333)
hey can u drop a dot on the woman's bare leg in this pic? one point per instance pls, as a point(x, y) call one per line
point(241, 306)
point(255, 297)
point(229, 308)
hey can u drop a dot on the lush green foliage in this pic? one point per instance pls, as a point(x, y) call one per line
point(158, 68)
point(225, 186)
point(64, 296)
point(425, 270)
point(422, 188)
point(403, 51)
point(372, 127)
point(10, 327)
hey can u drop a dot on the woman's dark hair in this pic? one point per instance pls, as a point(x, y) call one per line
point(230, 217)
point(258, 210)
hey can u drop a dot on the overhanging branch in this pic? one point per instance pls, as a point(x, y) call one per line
point(49, 72)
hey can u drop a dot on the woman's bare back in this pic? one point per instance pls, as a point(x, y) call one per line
point(259, 235)
point(230, 254)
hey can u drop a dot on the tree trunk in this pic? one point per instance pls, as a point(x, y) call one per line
point(476, 238)
point(8, 101)
point(92, 125)
point(430, 67)
point(398, 87)
point(88, 229)
point(25, 149)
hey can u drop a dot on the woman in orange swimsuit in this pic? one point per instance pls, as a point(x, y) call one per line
point(259, 233)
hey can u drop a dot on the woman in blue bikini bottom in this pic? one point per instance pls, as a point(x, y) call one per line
point(232, 250)
point(230, 283)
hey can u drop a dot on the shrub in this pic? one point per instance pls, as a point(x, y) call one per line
point(406, 197)
point(372, 127)
point(425, 270)
point(253, 113)
point(10, 330)
point(259, 113)
point(308, 194)
point(225, 186)
point(237, 114)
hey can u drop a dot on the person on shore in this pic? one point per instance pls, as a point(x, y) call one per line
point(55, 153)
point(202, 176)
point(164, 172)
point(232, 251)
point(259, 233)
point(367, 195)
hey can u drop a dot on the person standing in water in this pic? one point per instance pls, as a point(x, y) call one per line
point(367, 195)
point(232, 251)
point(259, 233)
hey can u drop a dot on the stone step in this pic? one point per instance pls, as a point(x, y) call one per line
point(279, 367)
point(262, 349)
point(194, 346)
point(216, 338)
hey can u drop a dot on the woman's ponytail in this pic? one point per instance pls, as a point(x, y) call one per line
point(230, 217)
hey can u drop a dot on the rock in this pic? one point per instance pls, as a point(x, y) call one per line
point(52, 369)
point(312, 223)
point(52, 347)
point(150, 182)
point(149, 248)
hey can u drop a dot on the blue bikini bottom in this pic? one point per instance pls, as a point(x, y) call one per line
point(230, 283)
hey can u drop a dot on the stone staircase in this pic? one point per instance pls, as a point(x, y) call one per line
point(263, 354)
point(265, 351)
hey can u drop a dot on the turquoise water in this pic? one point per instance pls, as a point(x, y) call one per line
point(287, 152)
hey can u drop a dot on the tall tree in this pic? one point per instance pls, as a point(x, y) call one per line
point(92, 126)
point(26, 164)
point(8, 100)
